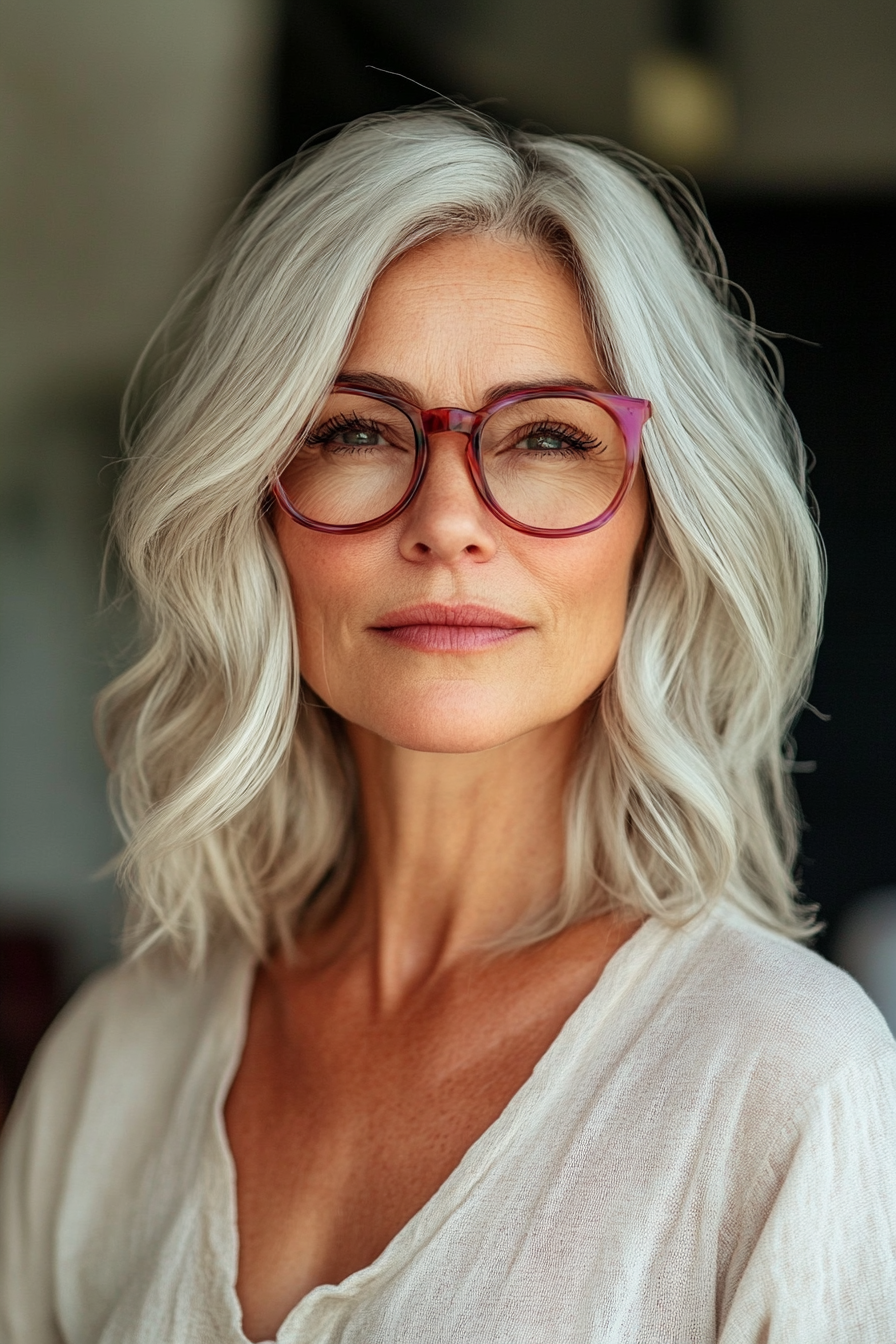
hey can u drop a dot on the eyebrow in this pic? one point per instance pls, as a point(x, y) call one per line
point(395, 387)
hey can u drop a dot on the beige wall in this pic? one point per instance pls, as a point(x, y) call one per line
point(130, 130)
point(816, 85)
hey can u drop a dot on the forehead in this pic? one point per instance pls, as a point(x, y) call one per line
point(461, 314)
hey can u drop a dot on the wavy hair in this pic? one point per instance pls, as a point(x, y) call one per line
point(233, 786)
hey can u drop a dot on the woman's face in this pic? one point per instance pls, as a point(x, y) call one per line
point(450, 320)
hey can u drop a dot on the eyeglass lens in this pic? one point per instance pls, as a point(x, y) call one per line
point(550, 462)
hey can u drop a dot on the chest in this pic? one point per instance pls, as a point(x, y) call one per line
point(578, 1217)
point(369, 1117)
point(343, 1125)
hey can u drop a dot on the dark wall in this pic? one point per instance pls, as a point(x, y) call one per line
point(333, 62)
point(824, 270)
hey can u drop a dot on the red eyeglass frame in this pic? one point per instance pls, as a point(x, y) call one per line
point(630, 413)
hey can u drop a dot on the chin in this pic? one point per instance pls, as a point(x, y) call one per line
point(452, 718)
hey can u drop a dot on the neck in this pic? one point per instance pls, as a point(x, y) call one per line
point(457, 850)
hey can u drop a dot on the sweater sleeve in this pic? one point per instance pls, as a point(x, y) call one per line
point(35, 1150)
point(30, 1172)
point(823, 1267)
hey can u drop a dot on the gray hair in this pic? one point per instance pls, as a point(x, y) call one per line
point(233, 786)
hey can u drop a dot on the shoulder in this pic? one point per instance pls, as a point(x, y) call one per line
point(108, 1118)
point(781, 996)
point(117, 1056)
point(144, 1015)
point(807, 1079)
point(773, 1024)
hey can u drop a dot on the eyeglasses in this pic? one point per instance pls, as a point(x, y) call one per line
point(550, 461)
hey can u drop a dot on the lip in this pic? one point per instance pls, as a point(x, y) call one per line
point(433, 627)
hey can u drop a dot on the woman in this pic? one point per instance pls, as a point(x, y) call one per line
point(479, 591)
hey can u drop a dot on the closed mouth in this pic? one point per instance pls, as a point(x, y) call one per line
point(435, 613)
point(439, 628)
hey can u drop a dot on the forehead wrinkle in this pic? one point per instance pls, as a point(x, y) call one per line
point(463, 340)
point(397, 387)
point(529, 363)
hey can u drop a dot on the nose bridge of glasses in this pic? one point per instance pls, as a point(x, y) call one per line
point(449, 420)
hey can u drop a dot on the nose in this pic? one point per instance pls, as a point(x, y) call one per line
point(448, 520)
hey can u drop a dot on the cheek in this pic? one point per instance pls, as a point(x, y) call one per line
point(298, 557)
point(311, 586)
point(588, 580)
point(319, 568)
point(329, 578)
point(590, 606)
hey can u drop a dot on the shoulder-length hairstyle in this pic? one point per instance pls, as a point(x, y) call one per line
point(233, 785)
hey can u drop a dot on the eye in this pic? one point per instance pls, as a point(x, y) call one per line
point(357, 438)
point(544, 442)
point(348, 434)
point(556, 439)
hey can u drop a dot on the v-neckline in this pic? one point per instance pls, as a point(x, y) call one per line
point(594, 1007)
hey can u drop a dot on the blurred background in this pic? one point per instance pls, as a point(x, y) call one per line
point(131, 132)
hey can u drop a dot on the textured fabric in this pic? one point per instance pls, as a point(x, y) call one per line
point(707, 1152)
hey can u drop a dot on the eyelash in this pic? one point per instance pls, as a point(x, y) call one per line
point(352, 422)
point(571, 435)
point(338, 423)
